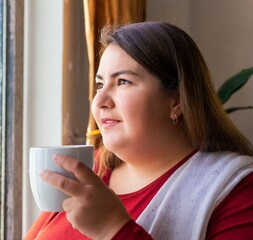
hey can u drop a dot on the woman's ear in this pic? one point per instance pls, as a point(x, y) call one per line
point(175, 106)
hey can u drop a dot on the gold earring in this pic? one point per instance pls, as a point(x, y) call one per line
point(174, 119)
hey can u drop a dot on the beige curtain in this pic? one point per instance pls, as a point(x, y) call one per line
point(99, 13)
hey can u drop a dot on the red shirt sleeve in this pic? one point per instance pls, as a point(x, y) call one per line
point(42, 221)
point(233, 218)
point(132, 231)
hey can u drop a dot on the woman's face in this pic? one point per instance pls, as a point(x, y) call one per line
point(130, 107)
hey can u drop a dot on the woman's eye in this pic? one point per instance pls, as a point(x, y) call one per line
point(123, 82)
point(99, 85)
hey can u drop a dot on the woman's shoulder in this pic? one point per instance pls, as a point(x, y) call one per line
point(223, 155)
point(220, 158)
point(235, 210)
point(41, 222)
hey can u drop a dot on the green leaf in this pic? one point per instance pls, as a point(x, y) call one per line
point(233, 84)
point(233, 109)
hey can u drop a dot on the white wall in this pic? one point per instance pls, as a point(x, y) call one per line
point(42, 86)
point(224, 34)
point(223, 31)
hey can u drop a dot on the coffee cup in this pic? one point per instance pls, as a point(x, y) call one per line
point(47, 197)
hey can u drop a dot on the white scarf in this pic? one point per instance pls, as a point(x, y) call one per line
point(182, 207)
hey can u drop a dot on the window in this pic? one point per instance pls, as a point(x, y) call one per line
point(11, 89)
point(1, 109)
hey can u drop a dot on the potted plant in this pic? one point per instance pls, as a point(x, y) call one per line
point(232, 85)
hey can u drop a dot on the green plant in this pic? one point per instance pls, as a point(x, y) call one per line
point(232, 85)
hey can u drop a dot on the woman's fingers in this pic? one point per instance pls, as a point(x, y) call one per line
point(81, 172)
point(84, 175)
point(58, 181)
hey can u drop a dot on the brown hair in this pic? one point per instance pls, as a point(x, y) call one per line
point(170, 54)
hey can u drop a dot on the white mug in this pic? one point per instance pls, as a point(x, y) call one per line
point(47, 197)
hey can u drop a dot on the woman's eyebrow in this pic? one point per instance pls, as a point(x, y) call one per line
point(113, 75)
point(123, 72)
point(99, 77)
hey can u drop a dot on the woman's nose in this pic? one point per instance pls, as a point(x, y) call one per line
point(103, 99)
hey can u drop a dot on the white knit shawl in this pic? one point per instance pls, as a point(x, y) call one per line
point(182, 207)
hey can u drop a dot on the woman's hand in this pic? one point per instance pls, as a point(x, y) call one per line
point(92, 208)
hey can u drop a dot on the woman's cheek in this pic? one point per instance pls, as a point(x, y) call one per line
point(94, 109)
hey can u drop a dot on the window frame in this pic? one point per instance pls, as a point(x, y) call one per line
point(12, 121)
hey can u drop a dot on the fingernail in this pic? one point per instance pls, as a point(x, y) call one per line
point(42, 173)
point(56, 157)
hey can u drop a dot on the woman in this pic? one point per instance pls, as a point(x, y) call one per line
point(175, 165)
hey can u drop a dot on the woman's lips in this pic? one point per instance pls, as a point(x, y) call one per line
point(109, 123)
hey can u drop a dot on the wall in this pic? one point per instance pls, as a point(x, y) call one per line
point(223, 31)
point(42, 86)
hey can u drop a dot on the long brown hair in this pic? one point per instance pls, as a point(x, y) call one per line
point(170, 54)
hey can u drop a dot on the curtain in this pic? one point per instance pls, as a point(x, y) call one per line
point(75, 104)
point(99, 13)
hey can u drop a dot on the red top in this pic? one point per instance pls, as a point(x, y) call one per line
point(232, 219)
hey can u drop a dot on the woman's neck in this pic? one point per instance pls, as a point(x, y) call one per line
point(139, 171)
